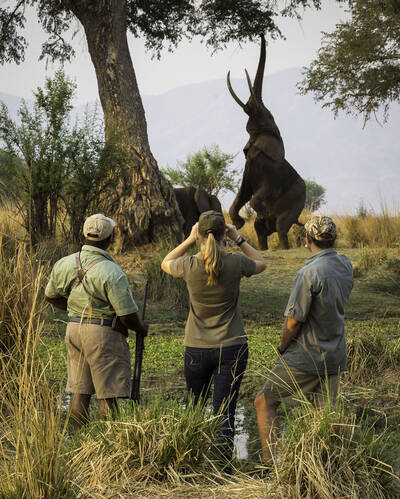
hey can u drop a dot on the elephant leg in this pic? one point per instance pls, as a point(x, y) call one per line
point(244, 195)
point(264, 226)
point(283, 224)
point(294, 198)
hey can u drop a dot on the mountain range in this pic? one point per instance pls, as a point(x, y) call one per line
point(353, 163)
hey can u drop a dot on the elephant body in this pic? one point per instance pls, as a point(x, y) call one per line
point(192, 202)
point(275, 190)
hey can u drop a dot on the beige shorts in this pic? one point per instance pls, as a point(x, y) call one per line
point(98, 361)
point(287, 381)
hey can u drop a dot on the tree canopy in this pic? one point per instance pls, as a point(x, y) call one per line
point(358, 65)
point(207, 169)
point(315, 195)
point(161, 23)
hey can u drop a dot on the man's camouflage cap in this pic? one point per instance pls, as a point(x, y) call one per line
point(212, 221)
point(321, 228)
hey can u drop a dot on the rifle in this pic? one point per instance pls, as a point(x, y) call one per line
point(135, 395)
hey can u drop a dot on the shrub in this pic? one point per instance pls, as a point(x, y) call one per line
point(329, 454)
point(370, 351)
point(160, 442)
point(369, 259)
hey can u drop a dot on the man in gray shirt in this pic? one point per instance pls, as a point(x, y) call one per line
point(312, 352)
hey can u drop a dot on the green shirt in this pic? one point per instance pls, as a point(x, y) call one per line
point(318, 299)
point(214, 317)
point(105, 279)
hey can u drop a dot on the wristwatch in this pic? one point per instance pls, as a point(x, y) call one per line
point(240, 240)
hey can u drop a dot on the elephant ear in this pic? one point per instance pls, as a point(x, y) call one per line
point(271, 146)
point(202, 200)
point(215, 204)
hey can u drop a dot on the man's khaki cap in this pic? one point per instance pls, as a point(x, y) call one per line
point(321, 228)
point(98, 227)
point(212, 222)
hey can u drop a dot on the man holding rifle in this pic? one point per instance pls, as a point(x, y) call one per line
point(96, 293)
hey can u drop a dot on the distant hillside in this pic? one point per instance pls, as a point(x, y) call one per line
point(351, 163)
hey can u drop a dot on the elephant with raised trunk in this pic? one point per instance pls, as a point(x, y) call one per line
point(275, 190)
point(192, 202)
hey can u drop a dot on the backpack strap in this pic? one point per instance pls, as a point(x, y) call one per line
point(82, 271)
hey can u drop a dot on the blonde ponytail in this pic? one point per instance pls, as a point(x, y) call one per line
point(211, 253)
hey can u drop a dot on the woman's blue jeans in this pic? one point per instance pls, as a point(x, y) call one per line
point(226, 366)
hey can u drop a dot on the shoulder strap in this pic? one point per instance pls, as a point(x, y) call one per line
point(82, 272)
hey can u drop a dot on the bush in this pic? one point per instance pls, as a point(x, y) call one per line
point(160, 442)
point(370, 351)
point(329, 454)
point(369, 259)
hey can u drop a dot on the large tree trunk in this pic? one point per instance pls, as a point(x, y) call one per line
point(145, 207)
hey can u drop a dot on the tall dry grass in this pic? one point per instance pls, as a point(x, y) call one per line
point(373, 230)
point(163, 442)
point(331, 454)
point(32, 421)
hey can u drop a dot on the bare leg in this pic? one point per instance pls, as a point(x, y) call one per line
point(106, 406)
point(79, 407)
point(268, 424)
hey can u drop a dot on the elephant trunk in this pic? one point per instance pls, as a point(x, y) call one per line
point(258, 80)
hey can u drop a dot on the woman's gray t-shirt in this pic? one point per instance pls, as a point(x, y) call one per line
point(214, 317)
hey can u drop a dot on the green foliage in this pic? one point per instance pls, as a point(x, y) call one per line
point(315, 195)
point(207, 169)
point(158, 23)
point(65, 170)
point(357, 69)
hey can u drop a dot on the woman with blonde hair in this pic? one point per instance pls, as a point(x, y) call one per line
point(215, 340)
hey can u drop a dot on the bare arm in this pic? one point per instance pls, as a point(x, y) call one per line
point(60, 303)
point(247, 249)
point(180, 250)
point(291, 329)
point(133, 322)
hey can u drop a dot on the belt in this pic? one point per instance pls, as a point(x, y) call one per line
point(85, 320)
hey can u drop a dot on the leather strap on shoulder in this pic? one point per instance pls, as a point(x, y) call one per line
point(82, 272)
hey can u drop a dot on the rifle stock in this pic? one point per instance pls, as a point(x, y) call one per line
point(135, 392)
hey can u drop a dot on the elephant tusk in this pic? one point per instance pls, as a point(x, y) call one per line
point(250, 86)
point(228, 82)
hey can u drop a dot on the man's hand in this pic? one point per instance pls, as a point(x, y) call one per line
point(291, 329)
point(133, 322)
point(60, 303)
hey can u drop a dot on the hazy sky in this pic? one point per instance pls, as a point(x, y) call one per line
point(189, 63)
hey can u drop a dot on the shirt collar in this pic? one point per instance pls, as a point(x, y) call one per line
point(94, 249)
point(320, 254)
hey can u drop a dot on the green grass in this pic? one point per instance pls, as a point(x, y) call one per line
point(371, 387)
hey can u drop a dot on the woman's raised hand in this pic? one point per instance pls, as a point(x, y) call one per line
point(231, 232)
point(194, 233)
